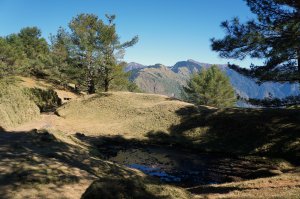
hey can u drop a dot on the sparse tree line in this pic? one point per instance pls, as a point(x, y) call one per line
point(88, 54)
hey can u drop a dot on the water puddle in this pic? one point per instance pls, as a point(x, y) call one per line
point(184, 168)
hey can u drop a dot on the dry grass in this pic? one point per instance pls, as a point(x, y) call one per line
point(63, 167)
point(38, 164)
point(132, 115)
point(15, 107)
point(36, 83)
point(283, 186)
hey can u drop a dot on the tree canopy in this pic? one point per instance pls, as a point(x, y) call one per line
point(97, 49)
point(210, 87)
point(89, 54)
point(273, 36)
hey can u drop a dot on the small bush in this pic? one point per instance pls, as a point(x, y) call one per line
point(46, 100)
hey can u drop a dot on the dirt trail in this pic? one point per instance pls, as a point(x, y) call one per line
point(48, 121)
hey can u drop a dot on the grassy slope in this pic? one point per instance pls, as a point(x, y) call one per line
point(147, 117)
point(132, 115)
point(283, 186)
point(161, 119)
point(36, 83)
point(38, 164)
point(15, 106)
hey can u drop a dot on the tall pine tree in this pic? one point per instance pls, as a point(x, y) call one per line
point(96, 49)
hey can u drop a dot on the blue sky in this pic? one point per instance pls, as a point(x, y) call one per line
point(169, 30)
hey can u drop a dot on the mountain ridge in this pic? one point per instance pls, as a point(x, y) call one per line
point(166, 80)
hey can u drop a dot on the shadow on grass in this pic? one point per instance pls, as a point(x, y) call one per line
point(30, 158)
point(269, 132)
point(35, 158)
point(192, 168)
point(213, 190)
point(111, 188)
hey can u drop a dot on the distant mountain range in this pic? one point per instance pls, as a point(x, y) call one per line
point(165, 80)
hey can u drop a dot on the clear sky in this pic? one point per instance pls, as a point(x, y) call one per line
point(169, 30)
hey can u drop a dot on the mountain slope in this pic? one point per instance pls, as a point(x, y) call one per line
point(169, 80)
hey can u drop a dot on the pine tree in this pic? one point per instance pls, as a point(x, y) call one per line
point(274, 36)
point(96, 49)
point(36, 49)
point(210, 87)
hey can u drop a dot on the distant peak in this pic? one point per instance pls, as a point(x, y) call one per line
point(134, 64)
point(191, 60)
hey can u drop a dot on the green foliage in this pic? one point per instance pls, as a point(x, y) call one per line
point(9, 57)
point(36, 50)
point(46, 100)
point(26, 53)
point(132, 87)
point(210, 87)
point(96, 49)
point(88, 56)
point(274, 37)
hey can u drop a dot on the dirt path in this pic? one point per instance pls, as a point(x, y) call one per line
point(45, 121)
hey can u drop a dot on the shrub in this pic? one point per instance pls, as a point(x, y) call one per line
point(46, 100)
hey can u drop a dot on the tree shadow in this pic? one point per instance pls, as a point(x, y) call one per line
point(192, 168)
point(37, 157)
point(269, 132)
point(112, 188)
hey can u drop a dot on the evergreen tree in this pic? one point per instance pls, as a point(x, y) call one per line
point(210, 87)
point(6, 60)
point(274, 36)
point(63, 71)
point(96, 49)
point(111, 70)
point(35, 48)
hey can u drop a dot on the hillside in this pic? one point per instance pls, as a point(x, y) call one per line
point(67, 154)
point(163, 119)
point(169, 80)
point(121, 113)
point(15, 107)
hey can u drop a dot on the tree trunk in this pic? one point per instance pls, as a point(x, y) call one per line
point(298, 54)
point(106, 85)
point(106, 80)
point(91, 86)
point(90, 81)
